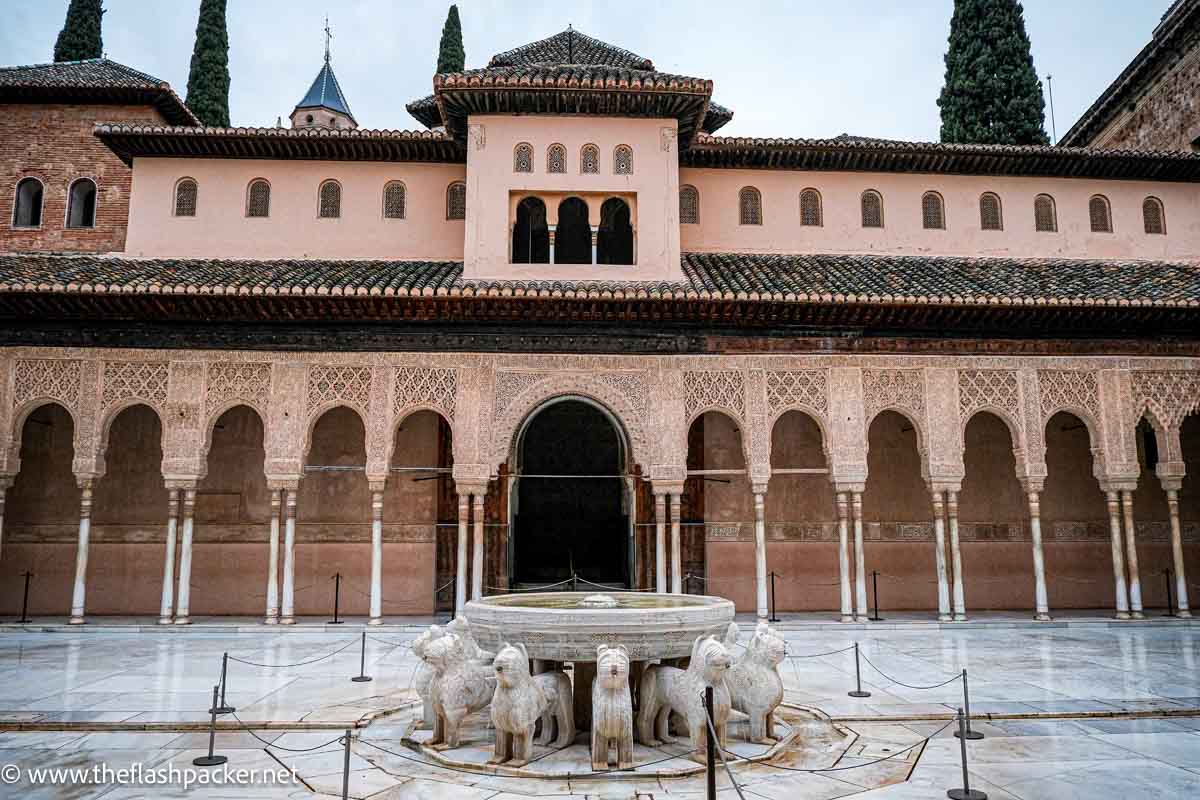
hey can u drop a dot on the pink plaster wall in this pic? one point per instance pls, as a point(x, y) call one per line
point(842, 232)
point(491, 184)
point(221, 228)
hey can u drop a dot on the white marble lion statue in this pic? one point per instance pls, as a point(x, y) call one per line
point(667, 689)
point(755, 687)
point(423, 675)
point(459, 686)
point(612, 708)
point(520, 700)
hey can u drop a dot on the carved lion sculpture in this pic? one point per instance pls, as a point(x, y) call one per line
point(612, 708)
point(423, 676)
point(755, 687)
point(666, 689)
point(521, 700)
point(459, 687)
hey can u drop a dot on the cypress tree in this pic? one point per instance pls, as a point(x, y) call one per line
point(208, 80)
point(992, 93)
point(451, 56)
point(80, 36)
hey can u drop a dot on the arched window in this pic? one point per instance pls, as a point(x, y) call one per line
point(933, 212)
point(622, 160)
point(185, 197)
point(810, 208)
point(258, 198)
point(393, 200)
point(1045, 218)
point(531, 237)
point(1153, 217)
point(330, 200)
point(749, 206)
point(523, 157)
point(872, 209)
point(27, 206)
point(556, 159)
point(1100, 214)
point(614, 241)
point(81, 204)
point(573, 233)
point(991, 215)
point(589, 160)
point(689, 205)
point(456, 200)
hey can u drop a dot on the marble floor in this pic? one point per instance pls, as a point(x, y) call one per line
point(1071, 712)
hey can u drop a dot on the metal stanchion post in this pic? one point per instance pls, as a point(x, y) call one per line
point(337, 591)
point(858, 690)
point(875, 593)
point(346, 769)
point(773, 617)
point(362, 676)
point(211, 760)
point(710, 770)
point(574, 581)
point(25, 600)
point(966, 731)
point(1170, 597)
point(966, 792)
point(224, 708)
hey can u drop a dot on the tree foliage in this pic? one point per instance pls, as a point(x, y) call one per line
point(992, 93)
point(451, 56)
point(80, 37)
point(208, 80)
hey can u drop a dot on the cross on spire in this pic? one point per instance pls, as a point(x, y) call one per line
point(328, 36)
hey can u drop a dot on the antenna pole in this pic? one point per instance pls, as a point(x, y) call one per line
point(1050, 88)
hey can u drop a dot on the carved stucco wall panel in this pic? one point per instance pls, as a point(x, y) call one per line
point(183, 422)
point(1165, 397)
point(944, 468)
point(847, 427)
point(287, 429)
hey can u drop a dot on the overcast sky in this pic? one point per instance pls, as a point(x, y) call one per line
point(794, 69)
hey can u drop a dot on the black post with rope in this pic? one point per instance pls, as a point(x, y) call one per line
point(1170, 597)
point(25, 600)
point(211, 760)
point(965, 731)
point(224, 708)
point(710, 755)
point(362, 676)
point(875, 593)
point(337, 591)
point(858, 690)
point(966, 792)
point(346, 767)
point(773, 618)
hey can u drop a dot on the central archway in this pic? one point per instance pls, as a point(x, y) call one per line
point(570, 498)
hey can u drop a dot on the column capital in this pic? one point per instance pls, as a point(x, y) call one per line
point(86, 480)
point(942, 485)
point(1032, 484)
point(6, 482)
point(759, 488)
point(288, 483)
point(181, 482)
point(464, 489)
point(1118, 484)
point(666, 487)
point(376, 483)
point(853, 486)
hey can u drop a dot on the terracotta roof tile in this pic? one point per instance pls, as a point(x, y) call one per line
point(570, 47)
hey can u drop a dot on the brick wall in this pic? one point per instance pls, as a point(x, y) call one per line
point(54, 143)
point(1167, 117)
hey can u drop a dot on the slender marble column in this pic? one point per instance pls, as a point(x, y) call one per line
point(1041, 603)
point(939, 543)
point(78, 595)
point(460, 575)
point(1181, 587)
point(1114, 528)
point(376, 610)
point(477, 546)
point(1135, 581)
point(287, 614)
point(660, 543)
point(550, 235)
point(760, 554)
point(844, 557)
point(272, 617)
point(595, 232)
point(166, 610)
point(183, 608)
point(959, 595)
point(676, 547)
point(860, 558)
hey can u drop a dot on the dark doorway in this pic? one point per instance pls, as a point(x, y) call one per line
point(573, 236)
point(582, 521)
point(531, 237)
point(614, 242)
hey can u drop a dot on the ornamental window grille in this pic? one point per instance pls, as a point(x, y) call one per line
point(186, 191)
point(523, 158)
point(622, 160)
point(991, 216)
point(689, 205)
point(27, 207)
point(556, 159)
point(330, 197)
point(393, 200)
point(1045, 218)
point(1153, 218)
point(750, 206)
point(1100, 214)
point(456, 200)
point(810, 208)
point(589, 160)
point(258, 198)
point(933, 212)
point(872, 209)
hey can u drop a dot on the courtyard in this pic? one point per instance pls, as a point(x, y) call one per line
point(1084, 707)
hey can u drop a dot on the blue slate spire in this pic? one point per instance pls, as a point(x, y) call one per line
point(325, 91)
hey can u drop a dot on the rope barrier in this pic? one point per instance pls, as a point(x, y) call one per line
point(391, 644)
point(530, 588)
point(716, 743)
point(821, 655)
point(906, 685)
point(444, 586)
point(273, 746)
point(348, 644)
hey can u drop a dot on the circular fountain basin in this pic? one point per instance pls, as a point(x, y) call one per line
point(568, 626)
